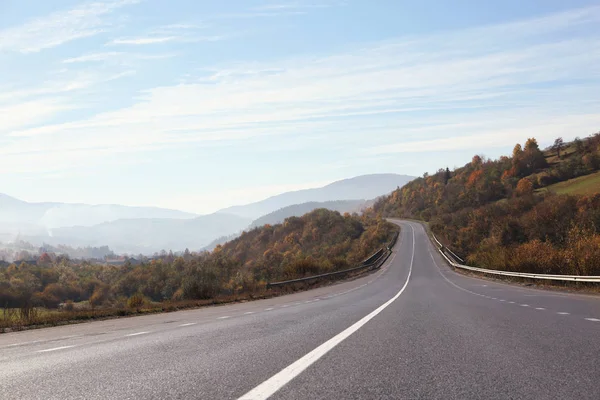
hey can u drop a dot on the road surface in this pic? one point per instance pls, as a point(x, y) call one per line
point(413, 330)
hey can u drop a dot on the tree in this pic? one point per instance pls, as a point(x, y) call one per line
point(558, 145)
point(447, 176)
point(533, 157)
point(524, 187)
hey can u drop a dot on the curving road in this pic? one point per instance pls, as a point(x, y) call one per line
point(413, 330)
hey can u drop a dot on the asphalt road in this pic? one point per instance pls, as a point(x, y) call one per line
point(413, 330)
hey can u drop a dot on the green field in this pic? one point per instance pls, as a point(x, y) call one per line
point(583, 185)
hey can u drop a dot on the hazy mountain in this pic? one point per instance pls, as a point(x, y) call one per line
point(20, 216)
point(148, 235)
point(358, 188)
point(149, 229)
point(298, 210)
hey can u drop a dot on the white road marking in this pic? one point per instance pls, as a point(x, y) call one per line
point(189, 324)
point(249, 312)
point(540, 308)
point(224, 317)
point(524, 305)
point(277, 381)
point(502, 300)
point(137, 333)
point(269, 309)
point(562, 313)
point(593, 319)
point(511, 302)
point(285, 305)
point(55, 348)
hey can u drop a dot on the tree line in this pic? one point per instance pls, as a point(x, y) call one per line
point(497, 214)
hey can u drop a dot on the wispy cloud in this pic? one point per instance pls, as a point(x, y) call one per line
point(480, 85)
point(60, 27)
point(182, 33)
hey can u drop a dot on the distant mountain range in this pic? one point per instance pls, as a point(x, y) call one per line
point(298, 210)
point(364, 187)
point(55, 215)
point(149, 235)
point(150, 229)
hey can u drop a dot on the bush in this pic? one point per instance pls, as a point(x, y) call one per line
point(136, 301)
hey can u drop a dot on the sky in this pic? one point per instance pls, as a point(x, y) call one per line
point(199, 105)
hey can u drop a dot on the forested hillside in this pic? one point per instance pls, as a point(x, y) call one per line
point(505, 214)
point(317, 242)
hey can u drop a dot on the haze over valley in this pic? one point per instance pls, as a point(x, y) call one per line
point(146, 230)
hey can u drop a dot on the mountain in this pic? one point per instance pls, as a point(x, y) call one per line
point(21, 216)
point(298, 210)
point(358, 188)
point(148, 235)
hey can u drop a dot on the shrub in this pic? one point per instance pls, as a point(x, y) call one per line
point(136, 301)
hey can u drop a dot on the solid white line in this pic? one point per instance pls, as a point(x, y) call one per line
point(55, 348)
point(563, 313)
point(137, 333)
point(593, 319)
point(277, 381)
point(189, 324)
point(224, 317)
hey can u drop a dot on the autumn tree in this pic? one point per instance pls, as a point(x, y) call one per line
point(524, 187)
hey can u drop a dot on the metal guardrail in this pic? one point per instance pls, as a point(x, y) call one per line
point(375, 261)
point(566, 278)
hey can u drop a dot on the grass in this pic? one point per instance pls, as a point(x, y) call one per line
point(582, 185)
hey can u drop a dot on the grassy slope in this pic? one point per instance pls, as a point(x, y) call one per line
point(582, 185)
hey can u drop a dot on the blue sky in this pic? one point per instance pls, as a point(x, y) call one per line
point(199, 105)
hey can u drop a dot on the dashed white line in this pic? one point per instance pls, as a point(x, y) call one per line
point(524, 305)
point(55, 348)
point(137, 333)
point(285, 305)
point(593, 319)
point(249, 312)
point(540, 308)
point(562, 313)
point(269, 309)
point(189, 324)
point(502, 300)
point(511, 302)
point(224, 317)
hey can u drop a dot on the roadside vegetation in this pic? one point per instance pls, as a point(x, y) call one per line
point(55, 289)
point(535, 211)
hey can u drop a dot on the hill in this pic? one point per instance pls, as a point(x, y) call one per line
point(364, 187)
point(149, 235)
point(297, 210)
point(317, 242)
point(500, 213)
